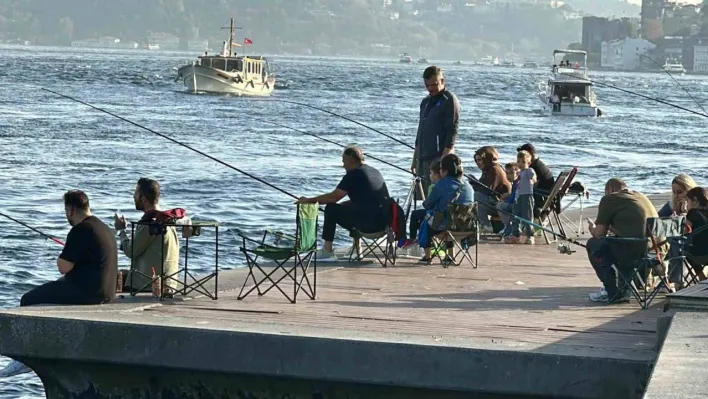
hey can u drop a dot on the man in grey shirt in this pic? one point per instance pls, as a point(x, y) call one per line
point(437, 128)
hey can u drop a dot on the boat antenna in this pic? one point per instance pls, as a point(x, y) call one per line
point(345, 118)
point(611, 86)
point(231, 29)
point(45, 235)
point(258, 179)
point(675, 80)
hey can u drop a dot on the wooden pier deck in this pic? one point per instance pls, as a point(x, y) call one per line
point(522, 320)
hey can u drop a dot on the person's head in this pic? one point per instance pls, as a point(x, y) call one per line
point(528, 147)
point(352, 158)
point(435, 171)
point(451, 166)
point(523, 159)
point(76, 206)
point(434, 80)
point(147, 194)
point(697, 198)
point(679, 187)
point(488, 156)
point(615, 185)
point(512, 171)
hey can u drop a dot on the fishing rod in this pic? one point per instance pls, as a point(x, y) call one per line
point(175, 141)
point(675, 80)
point(611, 86)
point(345, 118)
point(45, 235)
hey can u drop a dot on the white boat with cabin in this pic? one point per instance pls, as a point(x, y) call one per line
point(405, 58)
point(568, 91)
point(229, 73)
point(673, 66)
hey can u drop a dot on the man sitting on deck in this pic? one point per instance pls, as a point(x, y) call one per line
point(625, 213)
point(146, 250)
point(364, 211)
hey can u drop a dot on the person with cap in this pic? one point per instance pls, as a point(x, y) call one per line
point(544, 177)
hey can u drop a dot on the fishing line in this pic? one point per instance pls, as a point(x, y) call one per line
point(176, 142)
point(611, 86)
point(56, 240)
point(345, 118)
point(675, 80)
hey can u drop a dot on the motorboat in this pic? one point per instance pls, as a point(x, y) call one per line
point(673, 66)
point(229, 72)
point(568, 90)
point(529, 64)
point(405, 58)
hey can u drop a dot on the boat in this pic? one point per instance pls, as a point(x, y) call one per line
point(570, 85)
point(507, 64)
point(153, 46)
point(405, 58)
point(488, 60)
point(529, 64)
point(422, 61)
point(229, 73)
point(457, 63)
point(673, 66)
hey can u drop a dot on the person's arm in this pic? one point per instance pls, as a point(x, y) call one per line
point(433, 197)
point(140, 243)
point(665, 210)
point(534, 177)
point(73, 250)
point(329, 198)
point(450, 123)
point(603, 221)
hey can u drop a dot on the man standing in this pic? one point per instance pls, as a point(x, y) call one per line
point(625, 213)
point(89, 261)
point(150, 249)
point(437, 127)
point(364, 211)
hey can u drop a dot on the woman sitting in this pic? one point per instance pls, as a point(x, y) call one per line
point(451, 188)
point(677, 205)
point(697, 220)
point(494, 177)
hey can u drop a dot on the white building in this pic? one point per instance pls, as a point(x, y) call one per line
point(625, 54)
point(700, 58)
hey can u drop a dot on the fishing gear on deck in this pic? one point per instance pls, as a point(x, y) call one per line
point(45, 235)
point(176, 142)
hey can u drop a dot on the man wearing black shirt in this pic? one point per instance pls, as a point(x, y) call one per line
point(89, 261)
point(367, 193)
point(437, 126)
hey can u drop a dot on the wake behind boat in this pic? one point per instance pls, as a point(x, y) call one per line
point(568, 91)
point(229, 73)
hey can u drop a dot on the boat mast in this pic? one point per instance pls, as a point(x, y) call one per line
point(231, 28)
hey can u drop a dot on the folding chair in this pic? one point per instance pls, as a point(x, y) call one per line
point(548, 213)
point(636, 277)
point(300, 248)
point(462, 234)
point(581, 194)
point(380, 244)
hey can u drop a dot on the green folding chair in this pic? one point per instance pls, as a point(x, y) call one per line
point(300, 248)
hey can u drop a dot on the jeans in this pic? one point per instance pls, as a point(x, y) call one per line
point(486, 208)
point(59, 292)
point(523, 208)
point(675, 265)
point(506, 218)
point(417, 217)
point(602, 259)
point(423, 170)
point(349, 217)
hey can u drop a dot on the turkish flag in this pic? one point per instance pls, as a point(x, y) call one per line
point(247, 41)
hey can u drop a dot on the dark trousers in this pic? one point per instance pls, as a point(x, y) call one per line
point(349, 217)
point(601, 259)
point(59, 292)
point(417, 217)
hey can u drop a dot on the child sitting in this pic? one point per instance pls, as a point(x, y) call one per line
point(506, 206)
point(523, 201)
point(418, 215)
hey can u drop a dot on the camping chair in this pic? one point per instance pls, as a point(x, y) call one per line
point(301, 249)
point(380, 244)
point(548, 213)
point(635, 276)
point(581, 194)
point(462, 234)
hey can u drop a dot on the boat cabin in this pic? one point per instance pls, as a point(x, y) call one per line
point(567, 91)
point(243, 64)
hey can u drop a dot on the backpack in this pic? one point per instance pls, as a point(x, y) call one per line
point(396, 218)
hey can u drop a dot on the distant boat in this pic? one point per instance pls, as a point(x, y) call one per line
point(673, 66)
point(153, 46)
point(422, 61)
point(457, 63)
point(405, 58)
point(530, 64)
point(488, 60)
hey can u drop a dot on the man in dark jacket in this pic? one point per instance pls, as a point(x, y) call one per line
point(437, 127)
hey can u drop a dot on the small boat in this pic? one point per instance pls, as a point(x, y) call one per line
point(507, 64)
point(229, 73)
point(422, 61)
point(673, 66)
point(457, 63)
point(405, 58)
point(488, 60)
point(568, 91)
point(153, 46)
point(530, 65)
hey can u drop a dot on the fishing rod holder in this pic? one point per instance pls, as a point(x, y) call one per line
point(165, 284)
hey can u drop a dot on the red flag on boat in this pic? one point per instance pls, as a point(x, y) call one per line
point(247, 41)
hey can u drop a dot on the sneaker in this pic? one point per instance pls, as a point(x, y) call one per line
point(529, 240)
point(424, 260)
point(14, 368)
point(600, 296)
point(408, 243)
point(326, 256)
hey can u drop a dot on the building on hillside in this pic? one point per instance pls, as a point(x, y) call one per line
point(597, 30)
point(700, 58)
point(679, 17)
point(668, 48)
point(625, 54)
